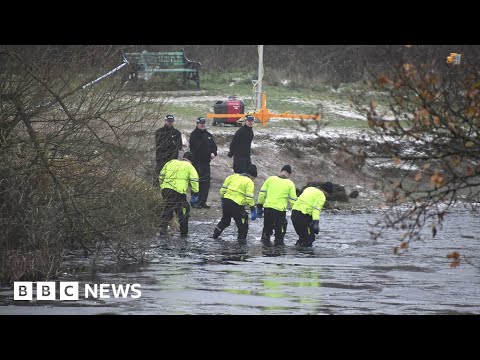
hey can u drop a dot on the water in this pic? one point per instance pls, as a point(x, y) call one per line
point(344, 273)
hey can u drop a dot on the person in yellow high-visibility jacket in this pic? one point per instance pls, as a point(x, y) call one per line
point(237, 192)
point(275, 195)
point(306, 213)
point(174, 179)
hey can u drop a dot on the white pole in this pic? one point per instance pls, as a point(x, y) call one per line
point(260, 76)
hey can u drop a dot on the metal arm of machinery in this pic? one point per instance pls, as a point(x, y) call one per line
point(264, 115)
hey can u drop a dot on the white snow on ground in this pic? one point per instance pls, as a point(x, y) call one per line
point(329, 107)
point(277, 133)
point(344, 111)
point(183, 100)
point(301, 102)
point(189, 100)
point(392, 165)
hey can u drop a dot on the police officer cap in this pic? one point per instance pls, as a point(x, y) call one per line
point(287, 168)
point(187, 155)
point(252, 170)
point(249, 118)
point(201, 120)
point(169, 118)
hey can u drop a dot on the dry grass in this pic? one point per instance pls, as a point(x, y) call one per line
point(17, 265)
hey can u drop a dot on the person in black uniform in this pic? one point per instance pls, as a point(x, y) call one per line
point(241, 145)
point(203, 149)
point(168, 142)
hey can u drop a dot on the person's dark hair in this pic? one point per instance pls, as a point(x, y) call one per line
point(252, 170)
point(187, 155)
point(328, 187)
point(287, 168)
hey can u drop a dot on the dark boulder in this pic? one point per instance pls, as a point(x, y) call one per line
point(354, 194)
point(338, 194)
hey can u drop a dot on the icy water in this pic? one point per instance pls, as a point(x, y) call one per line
point(344, 273)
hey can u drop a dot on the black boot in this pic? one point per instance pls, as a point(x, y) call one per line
point(216, 233)
point(265, 239)
point(308, 243)
point(304, 243)
point(279, 242)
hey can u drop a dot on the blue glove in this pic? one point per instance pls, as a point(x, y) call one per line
point(194, 199)
point(316, 226)
point(253, 213)
point(259, 211)
point(230, 154)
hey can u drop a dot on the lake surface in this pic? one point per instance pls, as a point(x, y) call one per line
point(346, 272)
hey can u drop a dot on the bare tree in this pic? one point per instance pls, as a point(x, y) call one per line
point(429, 132)
point(75, 159)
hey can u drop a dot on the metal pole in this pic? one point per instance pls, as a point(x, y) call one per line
point(260, 76)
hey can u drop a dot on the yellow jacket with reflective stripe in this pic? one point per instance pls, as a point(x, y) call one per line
point(310, 202)
point(238, 188)
point(276, 192)
point(176, 174)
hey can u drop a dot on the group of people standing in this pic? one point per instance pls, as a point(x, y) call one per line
point(238, 189)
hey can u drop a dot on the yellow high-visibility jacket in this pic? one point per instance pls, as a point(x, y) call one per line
point(176, 174)
point(310, 202)
point(238, 188)
point(276, 192)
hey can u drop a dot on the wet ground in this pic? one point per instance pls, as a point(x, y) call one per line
point(344, 273)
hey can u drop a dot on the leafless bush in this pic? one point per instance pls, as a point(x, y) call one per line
point(74, 158)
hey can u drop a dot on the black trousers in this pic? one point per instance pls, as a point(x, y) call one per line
point(232, 210)
point(301, 223)
point(161, 163)
point(274, 220)
point(158, 168)
point(203, 170)
point(174, 202)
point(241, 164)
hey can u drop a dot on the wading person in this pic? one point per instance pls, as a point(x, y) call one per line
point(306, 213)
point(168, 142)
point(174, 179)
point(241, 145)
point(237, 192)
point(204, 149)
point(275, 195)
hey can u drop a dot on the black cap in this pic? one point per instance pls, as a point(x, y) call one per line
point(252, 170)
point(249, 118)
point(287, 168)
point(169, 118)
point(201, 120)
point(187, 155)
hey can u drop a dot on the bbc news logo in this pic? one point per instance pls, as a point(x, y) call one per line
point(70, 290)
